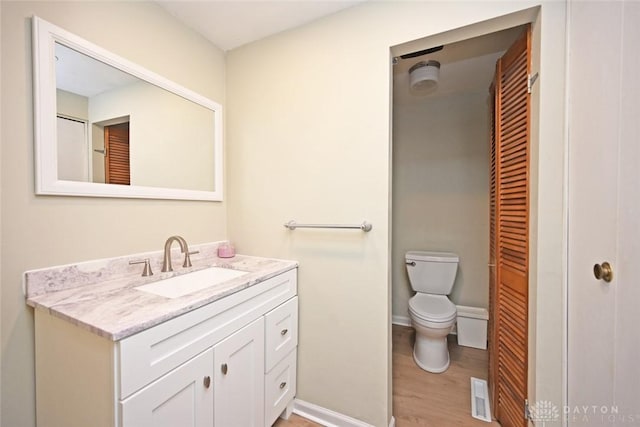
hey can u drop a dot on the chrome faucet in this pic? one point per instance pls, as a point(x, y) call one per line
point(184, 248)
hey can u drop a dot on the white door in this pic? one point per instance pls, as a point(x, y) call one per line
point(604, 214)
point(183, 397)
point(73, 150)
point(239, 378)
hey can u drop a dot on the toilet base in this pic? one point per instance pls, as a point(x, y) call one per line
point(431, 368)
point(430, 350)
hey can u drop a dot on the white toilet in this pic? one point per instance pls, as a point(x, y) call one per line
point(432, 314)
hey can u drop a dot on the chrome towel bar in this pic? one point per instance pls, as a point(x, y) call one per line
point(365, 226)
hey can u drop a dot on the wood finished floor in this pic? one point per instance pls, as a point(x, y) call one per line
point(295, 421)
point(422, 399)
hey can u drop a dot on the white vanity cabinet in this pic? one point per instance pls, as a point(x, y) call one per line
point(229, 363)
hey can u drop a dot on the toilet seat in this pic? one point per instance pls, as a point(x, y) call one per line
point(432, 308)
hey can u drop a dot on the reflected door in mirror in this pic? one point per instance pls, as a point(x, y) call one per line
point(116, 159)
point(72, 149)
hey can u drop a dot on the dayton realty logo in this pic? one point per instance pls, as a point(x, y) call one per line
point(544, 411)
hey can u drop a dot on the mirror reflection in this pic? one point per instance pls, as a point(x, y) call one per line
point(115, 128)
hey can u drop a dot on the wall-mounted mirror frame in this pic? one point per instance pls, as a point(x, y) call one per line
point(47, 182)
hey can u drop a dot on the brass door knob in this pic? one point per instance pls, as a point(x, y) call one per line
point(224, 369)
point(207, 381)
point(603, 272)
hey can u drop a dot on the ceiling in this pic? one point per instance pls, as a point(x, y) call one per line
point(80, 74)
point(465, 66)
point(231, 23)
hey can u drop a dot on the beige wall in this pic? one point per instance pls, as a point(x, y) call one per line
point(44, 231)
point(441, 191)
point(309, 139)
point(72, 105)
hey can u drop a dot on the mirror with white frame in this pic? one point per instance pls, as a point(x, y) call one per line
point(107, 127)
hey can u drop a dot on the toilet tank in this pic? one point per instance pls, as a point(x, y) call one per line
point(432, 272)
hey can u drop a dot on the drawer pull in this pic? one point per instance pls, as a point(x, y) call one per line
point(207, 381)
point(284, 332)
point(224, 369)
point(283, 385)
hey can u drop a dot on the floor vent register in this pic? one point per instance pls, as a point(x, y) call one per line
point(480, 400)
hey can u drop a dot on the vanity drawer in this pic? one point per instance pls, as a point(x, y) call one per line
point(281, 332)
point(280, 387)
point(150, 354)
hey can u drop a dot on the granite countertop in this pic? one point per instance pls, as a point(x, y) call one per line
point(100, 296)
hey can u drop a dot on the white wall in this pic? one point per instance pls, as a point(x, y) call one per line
point(44, 231)
point(441, 191)
point(310, 140)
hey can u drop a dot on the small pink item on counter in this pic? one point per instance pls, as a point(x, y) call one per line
point(226, 250)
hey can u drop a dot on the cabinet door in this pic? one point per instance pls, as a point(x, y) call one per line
point(183, 397)
point(239, 378)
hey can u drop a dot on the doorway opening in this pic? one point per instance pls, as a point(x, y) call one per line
point(442, 202)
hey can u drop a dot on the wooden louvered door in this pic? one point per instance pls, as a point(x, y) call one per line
point(510, 188)
point(116, 161)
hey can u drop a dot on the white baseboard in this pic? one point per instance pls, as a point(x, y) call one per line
point(401, 320)
point(327, 417)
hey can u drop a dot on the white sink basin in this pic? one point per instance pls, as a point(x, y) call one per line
point(185, 284)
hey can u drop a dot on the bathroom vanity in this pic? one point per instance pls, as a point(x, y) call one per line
point(114, 353)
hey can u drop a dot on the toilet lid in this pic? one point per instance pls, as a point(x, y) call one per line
point(435, 308)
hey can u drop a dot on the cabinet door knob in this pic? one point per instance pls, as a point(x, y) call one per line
point(224, 369)
point(283, 384)
point(207, 381)
point(284, 332)
point(603, 272)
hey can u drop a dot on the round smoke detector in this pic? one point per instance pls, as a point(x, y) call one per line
point(423, 76)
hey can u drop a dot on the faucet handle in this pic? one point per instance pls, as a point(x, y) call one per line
point(187, 258)
point(146, 271)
